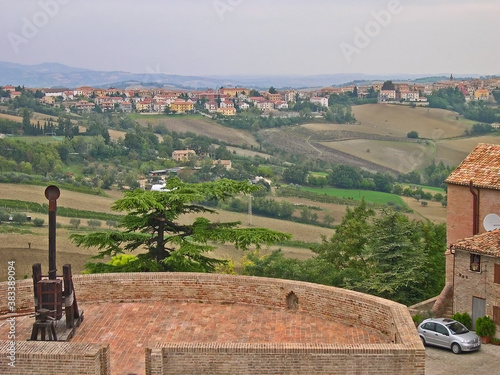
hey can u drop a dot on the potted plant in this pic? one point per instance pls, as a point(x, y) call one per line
point(485, 329)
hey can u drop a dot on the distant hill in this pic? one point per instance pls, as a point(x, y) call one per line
point(59, 75)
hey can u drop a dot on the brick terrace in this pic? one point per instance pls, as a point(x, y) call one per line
point(131, 327)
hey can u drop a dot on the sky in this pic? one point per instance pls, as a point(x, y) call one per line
point(255, 37)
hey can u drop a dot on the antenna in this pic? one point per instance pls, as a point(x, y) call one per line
point(491, 222)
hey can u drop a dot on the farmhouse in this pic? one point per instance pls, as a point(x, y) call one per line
point(473, 250)
point(182, 155)
point(225, 163)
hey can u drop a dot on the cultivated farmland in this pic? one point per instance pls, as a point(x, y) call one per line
point(398, 120)
point(35, 241)
point(453, 151)
point(199, 125)
point(379, 142)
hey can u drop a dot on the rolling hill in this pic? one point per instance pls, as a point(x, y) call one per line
point(378, 141)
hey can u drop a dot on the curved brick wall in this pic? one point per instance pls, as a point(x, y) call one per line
point(389, 318)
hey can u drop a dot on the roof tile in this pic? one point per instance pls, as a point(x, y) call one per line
point(482, 167)
point(486, 243)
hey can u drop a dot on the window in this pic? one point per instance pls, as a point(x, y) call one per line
point(442, 330)
point(430, 326)
point(496, 314)
point(496, 278)
point(475, 262)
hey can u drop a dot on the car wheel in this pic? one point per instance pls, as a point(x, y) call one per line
point(455, 348)
point(423, 340)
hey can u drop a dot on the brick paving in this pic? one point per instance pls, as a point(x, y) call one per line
point(131, 327)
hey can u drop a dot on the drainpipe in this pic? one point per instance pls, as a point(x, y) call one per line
point(453, 254)
point(475, 209)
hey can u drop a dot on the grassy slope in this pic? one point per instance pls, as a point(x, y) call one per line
point(199, 125)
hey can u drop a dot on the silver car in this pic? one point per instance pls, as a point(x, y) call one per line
point(448, 333)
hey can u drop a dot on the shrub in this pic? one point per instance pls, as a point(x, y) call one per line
point(94, 223)
point(438, 197)
point(464, 318)
point(75, 223)
point(124, 263)
point(19, 218)
point(4, 216)
point(485, 326)
point(417, 319)
point(412, 134)
point(37, 222)
point(111, 223)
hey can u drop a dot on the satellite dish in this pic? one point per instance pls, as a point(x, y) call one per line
point(491, 222)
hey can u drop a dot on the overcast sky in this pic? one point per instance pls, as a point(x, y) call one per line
point(255, 37)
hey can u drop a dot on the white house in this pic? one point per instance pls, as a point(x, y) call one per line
point(244, 105)
point(319, 100)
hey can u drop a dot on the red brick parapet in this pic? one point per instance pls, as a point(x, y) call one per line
point(403, 352)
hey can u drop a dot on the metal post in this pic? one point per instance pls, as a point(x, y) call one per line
point(37, 276)
point(52, 193)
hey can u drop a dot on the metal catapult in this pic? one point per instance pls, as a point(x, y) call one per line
point(54, 293)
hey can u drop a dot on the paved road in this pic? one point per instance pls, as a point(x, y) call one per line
point(444, 362)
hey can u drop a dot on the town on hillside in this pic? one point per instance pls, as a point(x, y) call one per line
point(228, 101)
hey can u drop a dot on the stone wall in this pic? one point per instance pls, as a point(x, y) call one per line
point(404, 354)
point(470, 284)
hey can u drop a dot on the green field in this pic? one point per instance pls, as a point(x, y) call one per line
point(39, 139)
point(370, 196)
point(318, 174)
point(426, 188)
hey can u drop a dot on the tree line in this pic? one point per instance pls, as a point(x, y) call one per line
point(453, 99)
point(349, 177)
point(385, 255)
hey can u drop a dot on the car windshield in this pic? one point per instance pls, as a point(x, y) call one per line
point(457, 328)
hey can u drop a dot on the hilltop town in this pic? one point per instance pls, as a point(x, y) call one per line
point(228, 101)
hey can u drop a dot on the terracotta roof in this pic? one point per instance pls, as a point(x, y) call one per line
point(486, 243)
point(482, 167)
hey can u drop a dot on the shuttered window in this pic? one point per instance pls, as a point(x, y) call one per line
point(496, 314)
point(497, 274)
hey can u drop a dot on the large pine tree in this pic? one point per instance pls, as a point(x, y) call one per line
point(152, 223)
